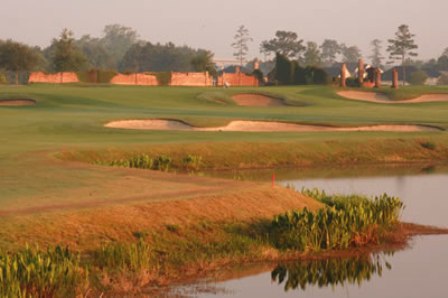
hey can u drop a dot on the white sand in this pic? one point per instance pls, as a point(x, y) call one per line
point(257, 126)
point(381, 98)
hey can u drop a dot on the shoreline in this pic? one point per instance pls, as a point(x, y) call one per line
point(397, 240)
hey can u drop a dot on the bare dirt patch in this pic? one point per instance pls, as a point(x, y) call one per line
point(16, 102)
point(259, 126)
point(381, 98)
point(257, 100)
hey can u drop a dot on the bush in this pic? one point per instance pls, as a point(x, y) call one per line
point(352, 82)
point(259, 75)
point(418, 77)
point(3, 79)
point(291, 73)
point(443, 80)
point(284, 70)
point(96, 76)
point(163, 78)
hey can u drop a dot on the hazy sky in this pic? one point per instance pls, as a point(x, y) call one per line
point(211, 24)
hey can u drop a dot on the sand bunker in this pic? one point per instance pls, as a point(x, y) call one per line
point(16, 102)
point(381, 98)
point(258, 126)
point(257, 100)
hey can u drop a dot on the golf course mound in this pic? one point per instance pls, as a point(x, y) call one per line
point(16, 102)
point(382, 98)
point(257, 100)
point(259, 126)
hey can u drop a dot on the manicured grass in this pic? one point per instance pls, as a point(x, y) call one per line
point(70, 119)
point(52, 159)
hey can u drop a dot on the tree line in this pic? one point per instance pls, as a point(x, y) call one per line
point(118, 49)
point(402, 48)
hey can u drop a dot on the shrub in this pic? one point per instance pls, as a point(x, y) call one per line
point(352, 82)
point(443, 79)
point(163, 78)
point(94, 76)
point(3, 79)
point(418, 77)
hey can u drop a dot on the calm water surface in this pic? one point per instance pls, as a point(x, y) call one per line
point(420, 271)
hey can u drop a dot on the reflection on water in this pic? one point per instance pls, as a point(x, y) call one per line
point(422, 188)
point(330, 272)
point(417, 272)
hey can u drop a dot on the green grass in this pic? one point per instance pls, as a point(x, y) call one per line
point(71, 118)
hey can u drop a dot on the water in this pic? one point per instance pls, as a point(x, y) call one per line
point(420, 271)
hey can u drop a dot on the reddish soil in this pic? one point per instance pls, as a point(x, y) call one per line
point(257, 100)
point(16, 102)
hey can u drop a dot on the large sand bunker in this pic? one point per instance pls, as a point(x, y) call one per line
point(381, 98)
point(258, 126)
point(257, 100)
point(16, 102)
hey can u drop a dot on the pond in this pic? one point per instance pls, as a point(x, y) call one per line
point(419, 271)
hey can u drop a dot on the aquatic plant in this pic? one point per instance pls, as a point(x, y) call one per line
point(133, 257)
point(33, 273)
point(162, 163)
point(345, 221)
point(192, 162)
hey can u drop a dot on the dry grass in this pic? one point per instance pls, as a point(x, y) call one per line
point(89, 228)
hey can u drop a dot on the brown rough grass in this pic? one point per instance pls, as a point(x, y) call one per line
point(89, 228)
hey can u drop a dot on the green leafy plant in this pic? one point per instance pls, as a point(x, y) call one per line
point(192, 162)
point(344, 222)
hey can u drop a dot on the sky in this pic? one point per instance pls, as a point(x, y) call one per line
point(211, 24)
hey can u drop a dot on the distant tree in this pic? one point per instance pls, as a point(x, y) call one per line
point(240, 43)
point(94, 51)
point(284, 70)
point(145, 56)
point(312, 56)
point(402, 47)
point(203, 61)
point(442, 61)
point(65, 55)
point(376, 56)
point(17, 57)
point(117, 40)
point(418, 77)
point(350, 54)
point(286, 43)
point(330, 49)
